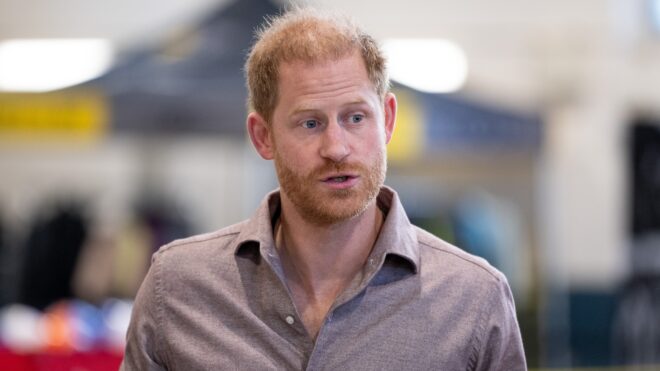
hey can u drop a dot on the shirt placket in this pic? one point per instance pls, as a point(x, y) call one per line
point(357, 285)
point(284, 308)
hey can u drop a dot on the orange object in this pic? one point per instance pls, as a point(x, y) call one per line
point(58, 328)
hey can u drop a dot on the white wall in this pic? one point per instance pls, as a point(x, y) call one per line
point(216, 181)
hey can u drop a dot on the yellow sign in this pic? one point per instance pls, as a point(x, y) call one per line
point(408, 140)
point(67, 115)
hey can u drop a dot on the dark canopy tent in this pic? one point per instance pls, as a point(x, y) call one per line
point(193, 85)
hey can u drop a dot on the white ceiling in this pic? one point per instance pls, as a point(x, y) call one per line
point(125, 21)
point(515, 47)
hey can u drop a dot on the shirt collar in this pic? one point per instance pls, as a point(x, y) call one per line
point(397, 235)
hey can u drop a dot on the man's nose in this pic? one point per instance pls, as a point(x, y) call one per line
point(334, 143)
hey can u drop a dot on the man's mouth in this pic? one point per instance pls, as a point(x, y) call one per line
point(338, 179)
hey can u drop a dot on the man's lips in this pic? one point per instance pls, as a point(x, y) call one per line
point(340, 181)
point(338, 178)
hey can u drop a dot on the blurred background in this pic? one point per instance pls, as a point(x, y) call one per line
point(528, 133)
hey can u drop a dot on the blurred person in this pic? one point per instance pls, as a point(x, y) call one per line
point(328, 273)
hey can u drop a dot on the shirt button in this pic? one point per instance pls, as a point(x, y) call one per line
point(289, 320)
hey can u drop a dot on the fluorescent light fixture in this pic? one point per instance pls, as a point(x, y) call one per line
point(429, 65)
point(39, 65)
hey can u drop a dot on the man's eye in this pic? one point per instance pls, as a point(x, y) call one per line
point(310, 124)
point(357, 118)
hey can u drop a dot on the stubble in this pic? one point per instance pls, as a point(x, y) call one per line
point(323, 206)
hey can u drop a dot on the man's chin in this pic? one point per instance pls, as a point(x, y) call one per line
point(338, 195)
point(329, 217)
point(339, 207)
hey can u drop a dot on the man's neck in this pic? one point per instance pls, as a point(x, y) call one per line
point(320, 261)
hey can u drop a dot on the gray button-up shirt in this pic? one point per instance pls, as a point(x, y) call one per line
point(219, 301)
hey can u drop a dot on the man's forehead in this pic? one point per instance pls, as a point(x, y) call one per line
point(319, 60)
point(306, 89)
point(299, 73)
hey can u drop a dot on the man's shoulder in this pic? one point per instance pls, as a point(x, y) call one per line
point(445, 257)
point(200, 246)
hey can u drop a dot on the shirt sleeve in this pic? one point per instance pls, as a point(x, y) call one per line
point(142, 346)
point(500, 345)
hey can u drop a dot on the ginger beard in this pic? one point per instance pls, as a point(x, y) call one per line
point(328, 206)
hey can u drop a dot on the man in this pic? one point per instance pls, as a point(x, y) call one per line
point(329, 274)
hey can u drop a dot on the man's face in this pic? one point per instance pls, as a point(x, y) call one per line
point(328, 132)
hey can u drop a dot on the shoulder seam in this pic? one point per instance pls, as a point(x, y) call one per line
point(489, 271)
point(198, 239)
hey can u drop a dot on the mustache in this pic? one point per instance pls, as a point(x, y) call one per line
point(337, 167)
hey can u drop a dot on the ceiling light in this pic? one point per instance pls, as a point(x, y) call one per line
point(38, 65)
point(429, 65)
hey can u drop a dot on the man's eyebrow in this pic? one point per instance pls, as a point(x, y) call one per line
point(305, 109)
point(355, 102)
point(358, 102)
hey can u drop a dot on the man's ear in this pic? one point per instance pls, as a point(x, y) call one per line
point(390, 116)
point(260, 135)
